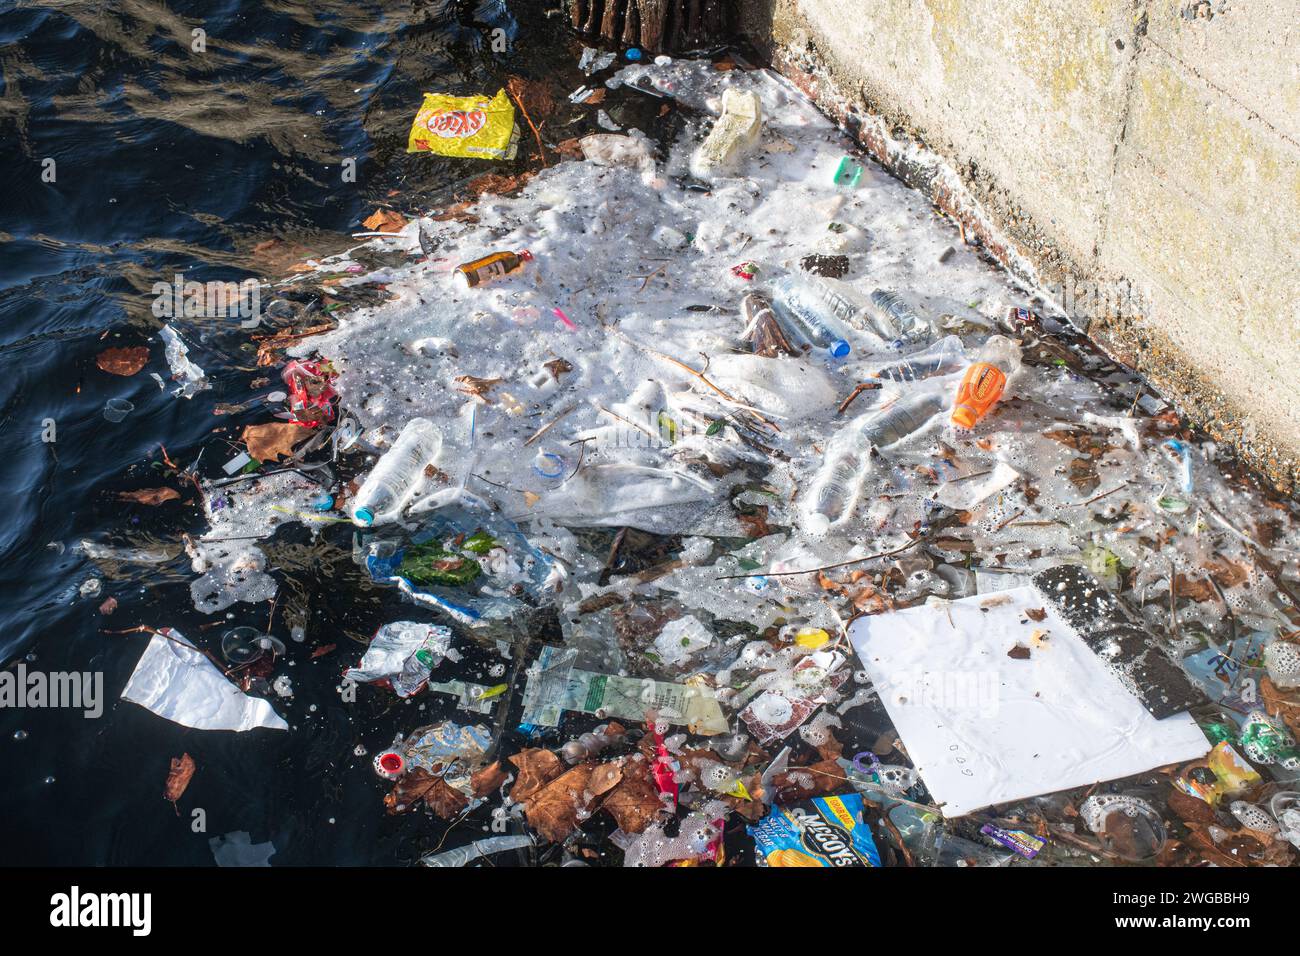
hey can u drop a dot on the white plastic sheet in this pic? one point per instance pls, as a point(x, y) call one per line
point(983, 727)
point(176, 681)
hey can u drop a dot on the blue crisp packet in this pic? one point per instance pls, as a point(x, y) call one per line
point(824, 831)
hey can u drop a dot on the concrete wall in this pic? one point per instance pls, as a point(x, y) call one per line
point(1101, 146)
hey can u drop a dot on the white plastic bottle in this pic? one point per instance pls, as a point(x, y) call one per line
point(848, 456)
point(397, 474)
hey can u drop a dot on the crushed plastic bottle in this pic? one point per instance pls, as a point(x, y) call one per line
point(891, 312)
point(848, 457)
point(398, 474)
point(985, 381)
point(417, 667)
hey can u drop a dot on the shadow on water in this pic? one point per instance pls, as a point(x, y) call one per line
point(141, 139)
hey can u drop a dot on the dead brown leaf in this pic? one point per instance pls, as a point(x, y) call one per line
point(1198, 590)
point(478, 387)
point(444, 799)
point(755, 524)
point(385, 220)
point(558, 367)
point(178, 778)
point(149, 496)
point(815, 780)
point(122, 361)
point(1036, 614)
point(457, 211)
point(553, 810)
point(108, 607)
point(606, 777)
point(633, 803)
point(1279, 703)
point(498, 184)
point(271, 440)
point(537, 767)
point(322, 650)
point(488, 779)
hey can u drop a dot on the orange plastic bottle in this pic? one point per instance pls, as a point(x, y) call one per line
point(985, 381)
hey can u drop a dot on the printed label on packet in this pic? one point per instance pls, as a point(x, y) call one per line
point(824, 831)
point(1026, 844)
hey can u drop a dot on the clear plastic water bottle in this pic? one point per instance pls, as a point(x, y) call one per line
point(890, 311)
point(848, 458)
point(417, 668)
point(397, 474)
point(816, 309)
point(941, 358)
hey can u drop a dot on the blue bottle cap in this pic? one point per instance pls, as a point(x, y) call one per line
point(365, 516)
point(839, 348)
point(633, 54)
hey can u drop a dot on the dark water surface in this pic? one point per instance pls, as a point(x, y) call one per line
point(222, 164)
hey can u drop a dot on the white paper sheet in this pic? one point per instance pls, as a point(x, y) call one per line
point(985, 728)
point(176, 681)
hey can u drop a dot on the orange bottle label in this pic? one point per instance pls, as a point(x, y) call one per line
point(979, 391)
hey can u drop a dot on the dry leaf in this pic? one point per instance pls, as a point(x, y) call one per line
point(445, 800)
point(478, 387)
point(553, 810)
point(322, 650)
point(606, 777)
point(800, 783)
point(385, 220)
point(149, 496)
point(1279, 703)
point(531, 498)
point(1198, 590)
point(122, 361)
point(634, 803)
point(570, 148)
point(498, 184)
point(558, 367)
point(272, 440)
point(488, 779)
point(458, 211)
point(537, 767)
point(108, 607)
point(409, 791)
point(756, 524)
point(1036, 614)
point(178, 778)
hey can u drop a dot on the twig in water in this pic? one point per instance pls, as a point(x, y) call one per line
point(551, 424)
point(858, 390)
point(582, 451)
point(827, 567)
point(645, 279)
point(1105, 494)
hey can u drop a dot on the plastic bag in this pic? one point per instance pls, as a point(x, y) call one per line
point(470, 126)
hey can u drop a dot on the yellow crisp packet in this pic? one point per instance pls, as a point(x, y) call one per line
point(470, 126)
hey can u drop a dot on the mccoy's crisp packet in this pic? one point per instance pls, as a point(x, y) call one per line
point(472, 126)
point(823, 831)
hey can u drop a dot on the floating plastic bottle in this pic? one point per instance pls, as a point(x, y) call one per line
point(941, 358)
point(816, 310)
point(466, 854)
point(985, 381)
point(396, 475)
point(848, 459)
point(891, 312)
point(489, 267)
point(420, 663)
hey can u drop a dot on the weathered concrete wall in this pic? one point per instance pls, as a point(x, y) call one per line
point(1140, 159)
